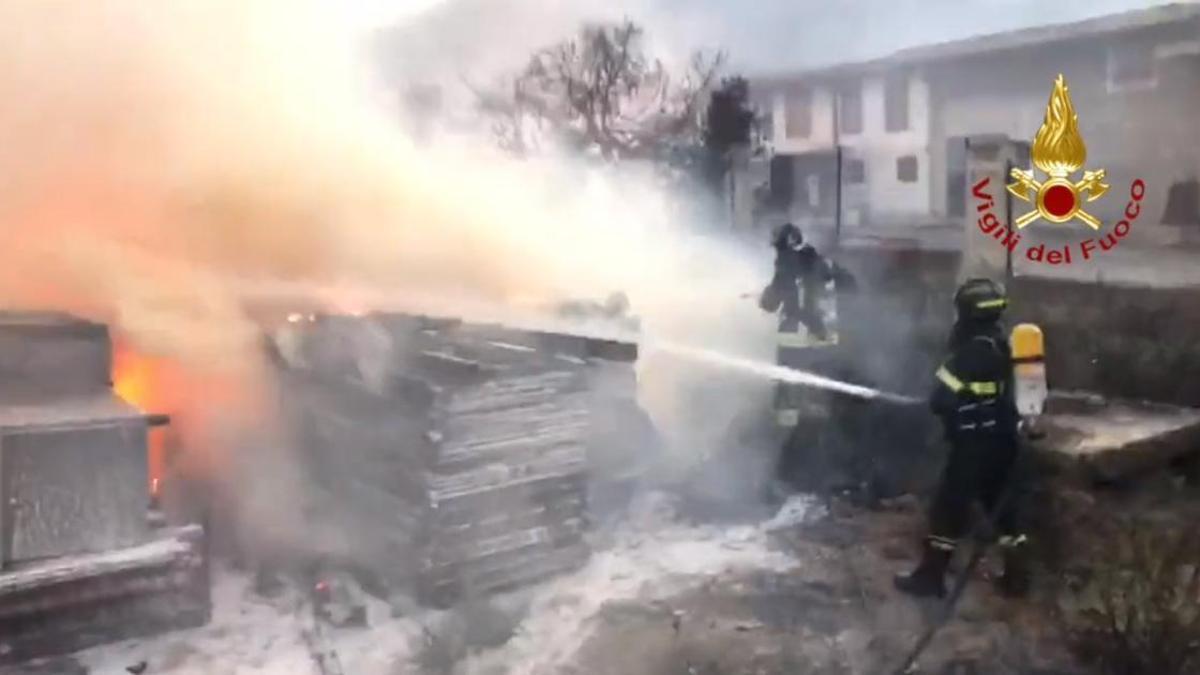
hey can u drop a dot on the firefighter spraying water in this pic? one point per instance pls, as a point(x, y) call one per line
point(982, 391)
point(975, 398)
point(989, 393)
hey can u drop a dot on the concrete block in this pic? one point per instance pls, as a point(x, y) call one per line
point(71, 486)
point(52, 350)
point(1105, 440)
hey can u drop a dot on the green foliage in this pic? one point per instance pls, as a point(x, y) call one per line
point(1139, 610)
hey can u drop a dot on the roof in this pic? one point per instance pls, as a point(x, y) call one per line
point(1010, 40)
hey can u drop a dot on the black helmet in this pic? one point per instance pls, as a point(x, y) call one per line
point(980, 300)
point(789, 236)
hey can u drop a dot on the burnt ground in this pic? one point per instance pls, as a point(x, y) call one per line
point(664, 596)
point(835, 613)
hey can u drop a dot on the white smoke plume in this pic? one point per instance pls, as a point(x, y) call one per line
point(172, 168)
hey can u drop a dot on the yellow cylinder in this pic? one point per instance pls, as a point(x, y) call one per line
point(1027, 343)
point(1029, 369)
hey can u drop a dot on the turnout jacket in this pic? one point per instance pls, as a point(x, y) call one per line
point(795, 269)
point(973, 388)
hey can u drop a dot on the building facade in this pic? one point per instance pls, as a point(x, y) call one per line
point(895, 129)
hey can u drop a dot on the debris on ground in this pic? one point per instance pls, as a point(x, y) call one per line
point(658, 596)
point(339, 600)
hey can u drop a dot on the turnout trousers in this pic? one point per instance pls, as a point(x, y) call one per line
point(978, 470)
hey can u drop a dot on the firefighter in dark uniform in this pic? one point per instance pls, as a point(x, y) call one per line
point(973, 395)
point(798, 267)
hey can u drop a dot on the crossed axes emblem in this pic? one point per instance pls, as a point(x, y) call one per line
point(1029, 189)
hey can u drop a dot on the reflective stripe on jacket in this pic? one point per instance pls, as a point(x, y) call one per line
point(972, 392)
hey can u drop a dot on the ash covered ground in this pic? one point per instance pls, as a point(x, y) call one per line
point(804, 591)
point(648, 557)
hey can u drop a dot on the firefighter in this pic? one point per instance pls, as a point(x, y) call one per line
point(973, 396)
point(798, 267)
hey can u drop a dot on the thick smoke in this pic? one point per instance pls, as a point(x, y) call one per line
point(167, 162)
point(176, 168)
point(160, 156)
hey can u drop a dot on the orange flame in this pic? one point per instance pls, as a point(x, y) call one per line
point(1058, 148)
point(201, 404)
point(134, 379)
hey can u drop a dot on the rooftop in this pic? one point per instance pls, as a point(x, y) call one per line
point(1009, 40)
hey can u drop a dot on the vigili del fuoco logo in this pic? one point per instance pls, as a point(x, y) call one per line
point(1058, 152)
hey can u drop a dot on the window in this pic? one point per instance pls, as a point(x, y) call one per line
point(797, 110)
point(906, 169)
point(895, 103)
point(1131, 66)
point(854, 172)
point(850, 117)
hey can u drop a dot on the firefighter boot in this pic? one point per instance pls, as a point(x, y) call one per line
point(929, 579)
point(1015, 581)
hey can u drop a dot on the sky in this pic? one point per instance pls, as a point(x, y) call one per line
point(758, 35)
point(782, 34)
point(368, 14)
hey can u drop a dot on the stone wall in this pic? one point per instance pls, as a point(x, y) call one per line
point(1118, 340)
point(1121, 341)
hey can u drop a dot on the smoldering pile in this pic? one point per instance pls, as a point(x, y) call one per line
point(456, 459)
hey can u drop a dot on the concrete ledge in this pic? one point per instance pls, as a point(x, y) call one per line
point(1105, 440)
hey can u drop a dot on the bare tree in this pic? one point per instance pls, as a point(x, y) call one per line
point(599, 91)
point(730, 122)
point(514, 126)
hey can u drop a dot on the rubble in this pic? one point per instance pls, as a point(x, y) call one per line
point(340, 601)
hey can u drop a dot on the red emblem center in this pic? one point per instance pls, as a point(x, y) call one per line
point(1059, 200)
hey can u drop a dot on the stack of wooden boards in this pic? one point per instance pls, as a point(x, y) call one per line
point(457, 459)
